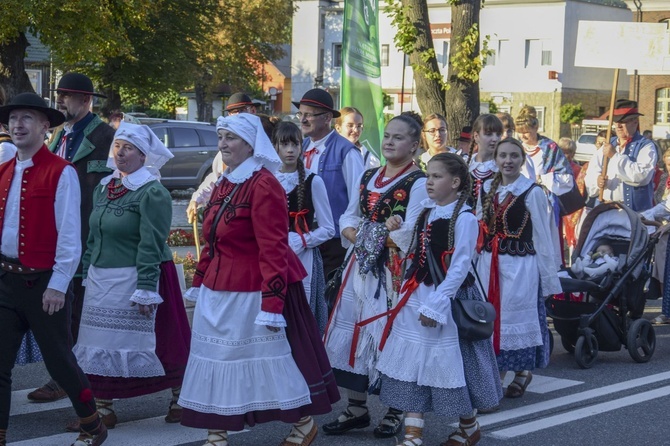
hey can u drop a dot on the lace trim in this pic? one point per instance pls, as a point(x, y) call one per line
point(243, 172)
point(116, 319)
point(519, 186)
point(270, 337)
point(146, 297)
point(251, 407)
point(288, 180)
point(519, 341)
point(439, 317)
point(192, 294)
point(133, 181)
point(114, 363)
point(271, 319)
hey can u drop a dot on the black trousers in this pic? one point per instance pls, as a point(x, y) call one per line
point(20, 310)
point(333, 255)
point(77, 296)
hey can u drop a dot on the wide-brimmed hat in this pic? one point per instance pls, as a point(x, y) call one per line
point(623, 108)
point(77, 83)
point(33, 102)
point(317, 97)
point(238, 100)
point(466, 134)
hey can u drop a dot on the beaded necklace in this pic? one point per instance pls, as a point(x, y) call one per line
point(380, 182)
point(115, 191)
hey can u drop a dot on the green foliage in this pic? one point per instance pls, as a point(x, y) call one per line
point(572, 113)
point(387, 101)
point(155, 105)
point(493, 108)
point(467, 60)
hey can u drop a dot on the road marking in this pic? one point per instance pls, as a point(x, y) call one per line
point(146, 432)
point(579, 414)
point(544, 384)
point(532, 409)
point(21, 405)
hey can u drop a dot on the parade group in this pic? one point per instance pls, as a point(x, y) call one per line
point(87, 281)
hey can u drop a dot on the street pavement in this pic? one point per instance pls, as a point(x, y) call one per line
point(617, 402)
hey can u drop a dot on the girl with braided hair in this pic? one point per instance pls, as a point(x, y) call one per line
point(518, 266)
point(310, 217)
point(425, 366)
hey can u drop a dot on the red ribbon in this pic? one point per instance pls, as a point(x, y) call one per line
point(481, 236)
point(494, 290)
point(408, 288)
point(299, 217)
point(308, 156)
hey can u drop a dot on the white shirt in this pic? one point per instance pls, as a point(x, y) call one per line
point(201, 196)
point(620, 170)
point(67, 207)
point(352, 165)
point(556, 183)
point(7, 151)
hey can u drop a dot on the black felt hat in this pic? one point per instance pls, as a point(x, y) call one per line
point(77, 83)
point(33, 102)
point(623, 108)
point(317, 97)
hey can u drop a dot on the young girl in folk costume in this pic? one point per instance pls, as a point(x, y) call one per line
point(307, 205)
point(518, 266)
point(373, 274)
point(425, 366)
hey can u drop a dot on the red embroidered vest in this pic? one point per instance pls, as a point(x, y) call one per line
point(37, 218)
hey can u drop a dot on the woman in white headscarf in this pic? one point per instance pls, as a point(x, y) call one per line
point(134, 336)
point(256, 353)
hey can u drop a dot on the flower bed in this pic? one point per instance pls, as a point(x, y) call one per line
point(182, 237)
point(189, 262)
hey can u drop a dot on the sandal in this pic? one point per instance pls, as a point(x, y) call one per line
point(461, 438)
point(174, 413)
point(517, 389)
point(305, 438)
point(661, 319)
point(390, 425)
point(216, 438)
point(413, 436)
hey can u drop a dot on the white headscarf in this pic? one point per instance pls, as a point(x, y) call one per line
point(249, 127)
point(146, 142)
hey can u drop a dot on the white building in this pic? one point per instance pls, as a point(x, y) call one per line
point(534, 44)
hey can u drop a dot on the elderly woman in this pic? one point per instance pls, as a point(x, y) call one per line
point(134, 336)
point(256, 354)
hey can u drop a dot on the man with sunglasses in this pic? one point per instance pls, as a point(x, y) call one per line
point(334, 158)
point(632, 159)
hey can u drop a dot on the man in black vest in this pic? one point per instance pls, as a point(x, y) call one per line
point(85, 142)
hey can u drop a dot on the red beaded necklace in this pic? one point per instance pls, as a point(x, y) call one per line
point(380, 182)
point(114, 191)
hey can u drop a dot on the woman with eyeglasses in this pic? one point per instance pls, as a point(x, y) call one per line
point(434, 138)
point(350, 125)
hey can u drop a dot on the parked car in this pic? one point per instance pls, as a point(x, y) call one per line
point(194, 145)
point(586, 147)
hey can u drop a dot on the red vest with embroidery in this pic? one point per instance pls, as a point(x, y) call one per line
point(37, 217)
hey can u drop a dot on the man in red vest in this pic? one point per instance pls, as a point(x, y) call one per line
point(40, 247)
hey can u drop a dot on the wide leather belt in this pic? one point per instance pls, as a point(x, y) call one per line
point(14, 266)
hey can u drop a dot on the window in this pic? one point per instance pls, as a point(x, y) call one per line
point(185, 137)
point(533, 53)
point(663, 106)
point(491, 58)
point(337, 55)
point(209, 137)
point(540, 118)
point(445, 53)
point(407, 62)
point(385, 55)
point(546, 57)
point(162, 134)
point(504, 53)
point(391, 106)
point(323, 21)
point(321, 54)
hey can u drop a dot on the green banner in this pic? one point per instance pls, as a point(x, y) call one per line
point(361, 80)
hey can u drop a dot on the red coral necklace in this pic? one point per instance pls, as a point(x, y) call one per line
point(116, 191)
point(381, 183)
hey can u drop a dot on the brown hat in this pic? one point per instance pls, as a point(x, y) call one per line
point(623, 108)
point(33, 102)
point(317, 97)
point(238, 100)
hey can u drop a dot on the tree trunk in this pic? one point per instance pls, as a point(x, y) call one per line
point(109, 87)
point(463, 95)
point(13, 77)
point(429, 93)
point(203, 97)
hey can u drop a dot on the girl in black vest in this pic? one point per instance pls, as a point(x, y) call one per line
point(310, 217)
point(518, 265)
point(425, 366)
point(486, 132)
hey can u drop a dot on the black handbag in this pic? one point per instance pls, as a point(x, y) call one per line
point(333, 284)
point(474, 318)
point(572, 201)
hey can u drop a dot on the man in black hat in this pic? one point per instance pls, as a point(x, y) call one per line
point(40, 246)
point(334, 158)
point(631, 165)
point(237, 103)
point(85, 141)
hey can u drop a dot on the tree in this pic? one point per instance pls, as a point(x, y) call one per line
point(572, 113)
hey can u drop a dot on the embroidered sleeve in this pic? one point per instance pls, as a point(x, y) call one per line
point(155, 219)
point(269, 217)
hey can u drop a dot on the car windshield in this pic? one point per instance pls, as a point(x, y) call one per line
point(587, 139)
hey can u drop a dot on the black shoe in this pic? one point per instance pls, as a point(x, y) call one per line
point(339, 427)
point(389, 426)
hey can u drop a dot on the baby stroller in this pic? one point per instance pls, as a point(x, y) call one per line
point(609, 314)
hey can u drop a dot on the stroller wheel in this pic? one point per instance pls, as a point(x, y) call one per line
point(567, 344)
point(641, 340)
point(586, 354)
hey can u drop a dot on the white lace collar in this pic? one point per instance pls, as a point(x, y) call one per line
point(242, 172)
point(289, 180)
point(437, 212)
point(483, 166)
point(133, 181)
point(519, 186)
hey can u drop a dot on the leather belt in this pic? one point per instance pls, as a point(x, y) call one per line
point(14, 266)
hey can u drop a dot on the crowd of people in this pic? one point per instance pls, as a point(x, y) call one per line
point(88, 285)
